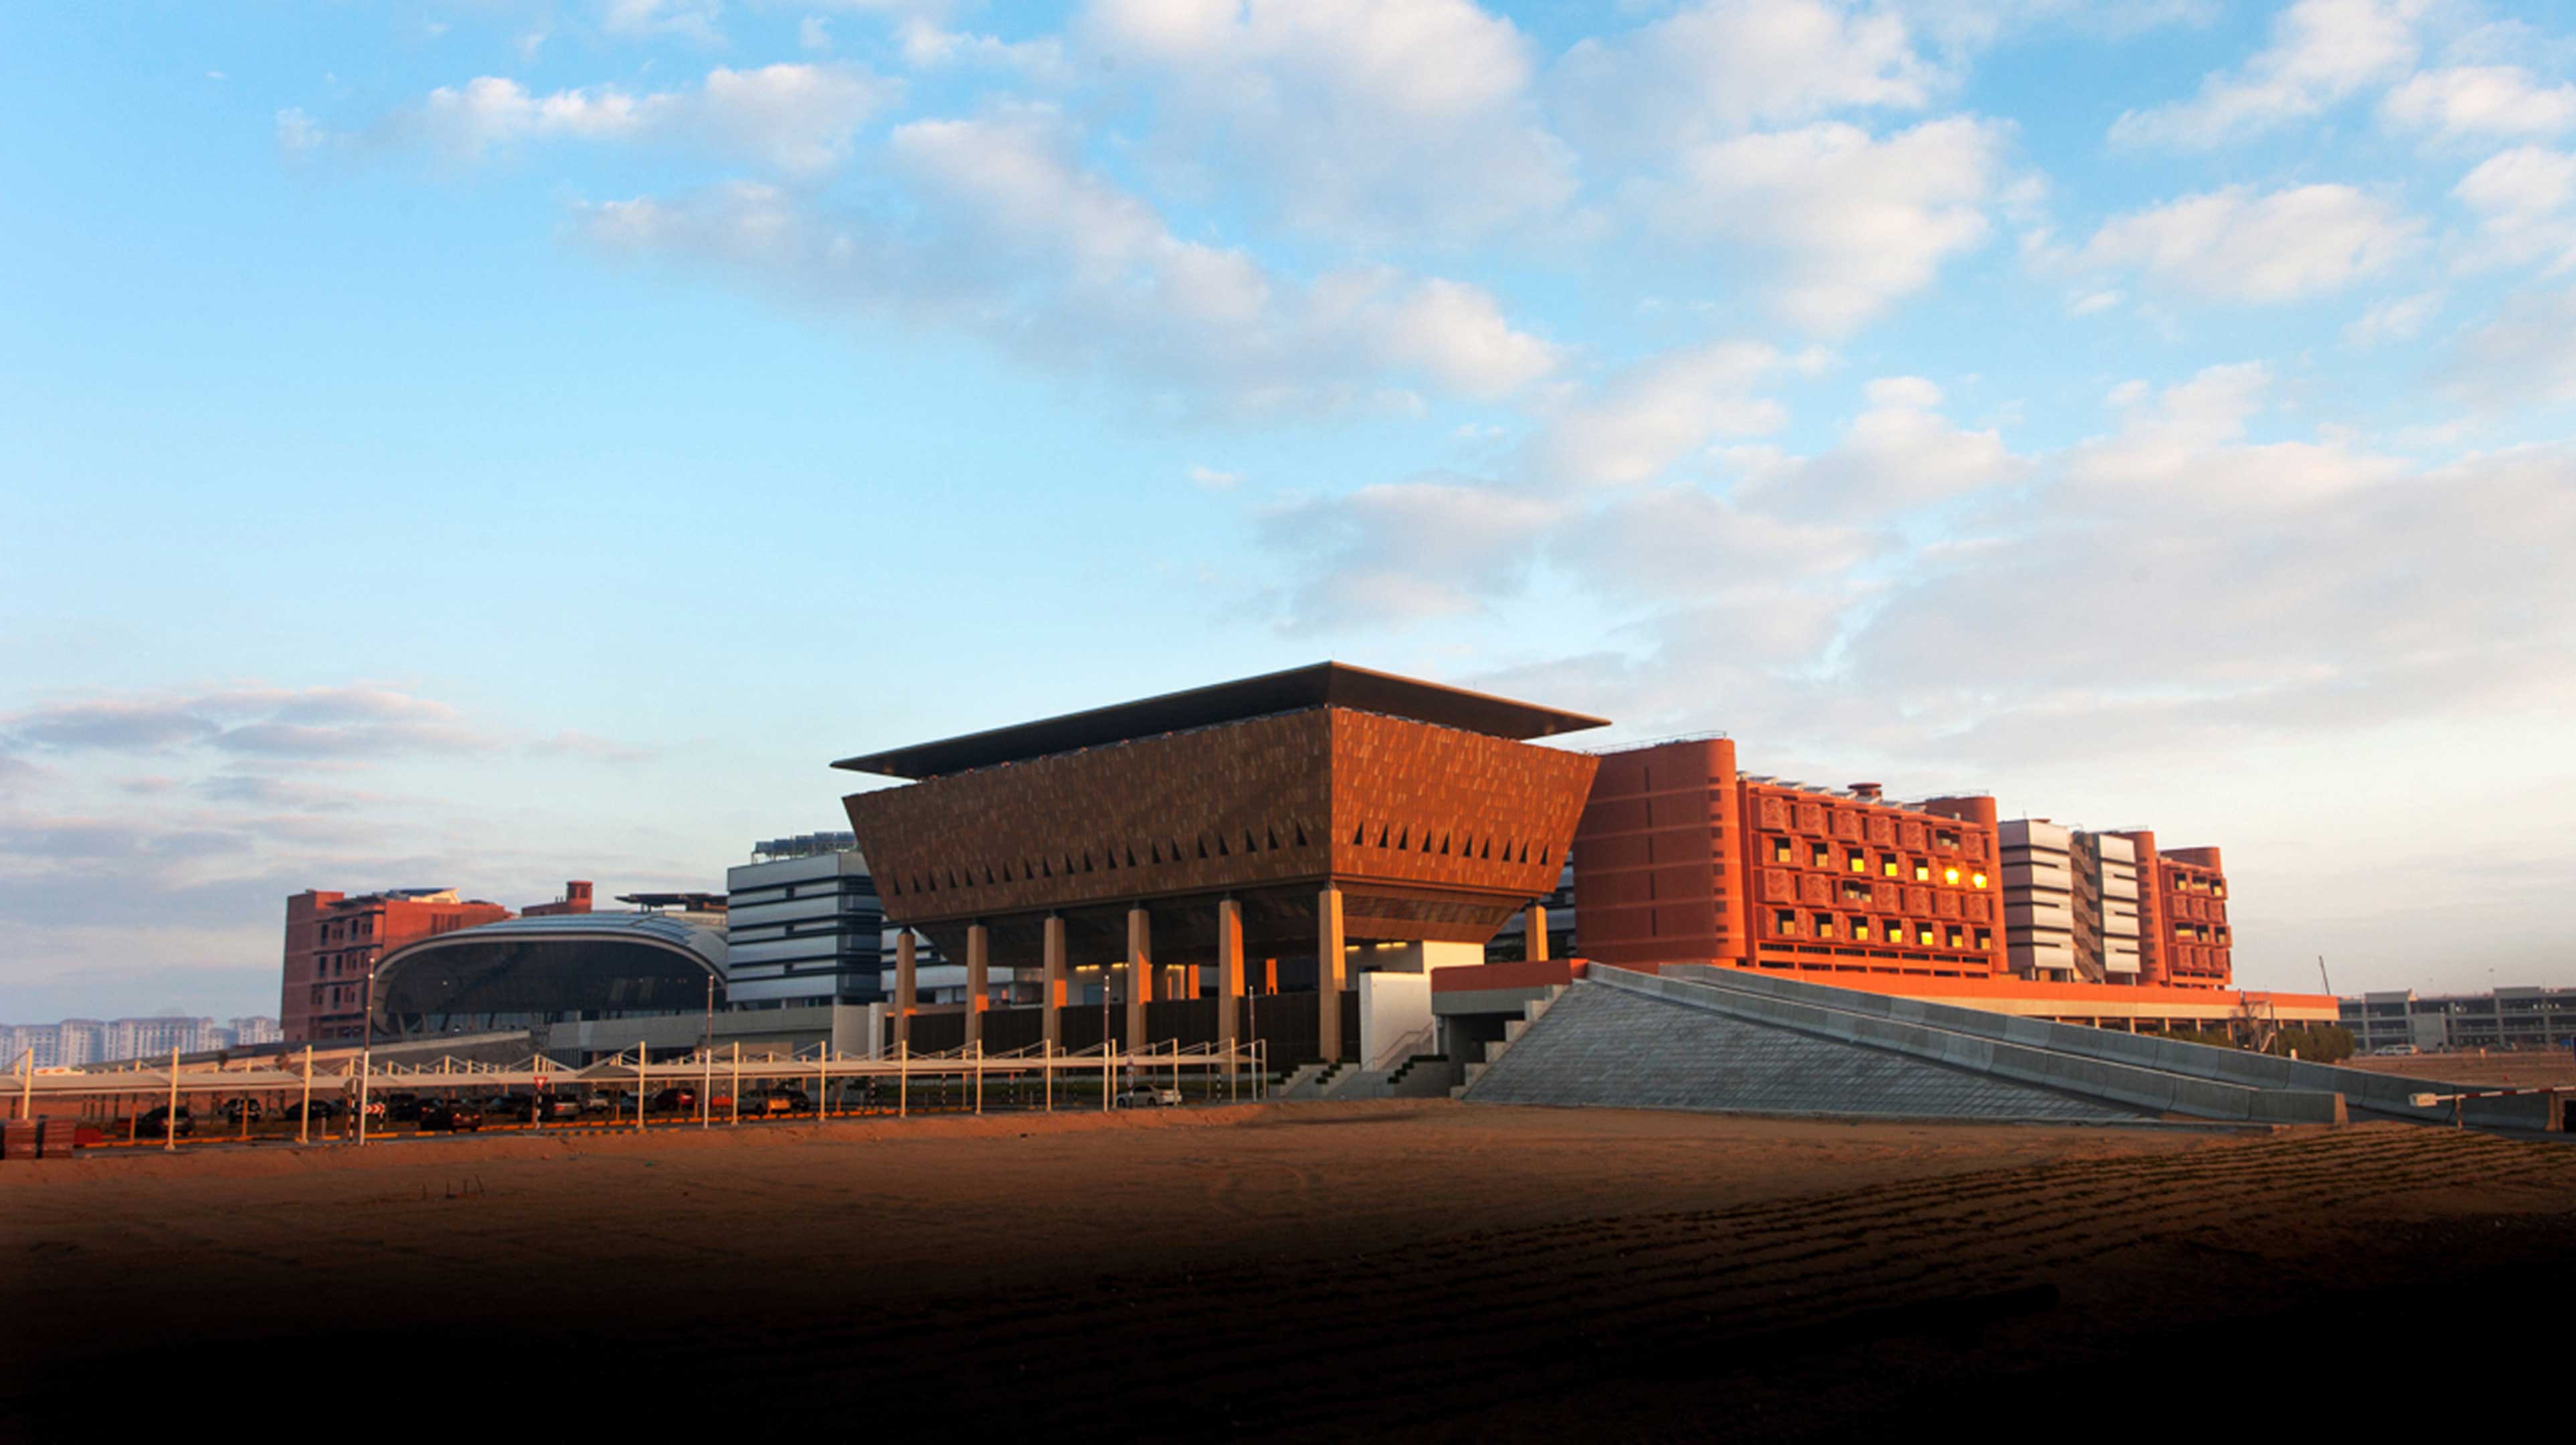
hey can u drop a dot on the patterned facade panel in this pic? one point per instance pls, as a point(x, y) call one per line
point(1946, 904)
point(1882, 830)
point(1910, 836)
point(1847, 825)
point(1438, 807)
point(1773, 813)
point(1918, 902)
point(1815, 888)
point(1778, 886)
point(1811, 817)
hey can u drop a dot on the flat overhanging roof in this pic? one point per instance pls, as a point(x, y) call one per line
point(1325, 684)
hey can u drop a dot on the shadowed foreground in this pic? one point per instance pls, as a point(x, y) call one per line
point(1432, 1270)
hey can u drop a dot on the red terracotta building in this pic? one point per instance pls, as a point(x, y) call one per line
point(1680, 856)
point(2183, 937)
point(333, 939)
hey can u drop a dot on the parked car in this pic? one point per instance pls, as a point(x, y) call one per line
point(597, 1104)
point(451, 1115)
point(402, 1108)
point(525, 1108)
point(1148, 1096)
point(2395, 1051)
point(677, 1099)
point(780, 1100)
point(324, 1110)
point(235, 1109)
point(155, 1123)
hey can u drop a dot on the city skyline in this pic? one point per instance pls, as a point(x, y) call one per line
point(477, 445)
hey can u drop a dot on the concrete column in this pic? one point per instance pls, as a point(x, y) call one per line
point(904, 994)
point(1328, 972)
point(979, 957)
point(1537, 950)
point(1229, 971)
point(1053, 993)
point(1140, 973)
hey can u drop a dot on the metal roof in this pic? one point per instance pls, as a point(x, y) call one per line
point(672, 930)
point(1324, 684)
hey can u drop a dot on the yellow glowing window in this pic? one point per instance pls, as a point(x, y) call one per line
point(1860, 929)
point(1922, 872)
point(1926, 936)
point(1859, 864)
point(1887, 865)
point(1779, 850)
point(1977, 879)
point(1819, 856)
point(1950, 876)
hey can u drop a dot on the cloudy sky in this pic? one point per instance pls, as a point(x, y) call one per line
point(489, 443)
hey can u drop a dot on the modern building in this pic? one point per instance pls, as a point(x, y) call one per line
point(333, 939)
point(804, 925)
point(2507, 1018)
point(531, 973)
point(1198, 851)
point(1681, 856)
point(72, 1043)
point(2184, 940)
point(2070, 903)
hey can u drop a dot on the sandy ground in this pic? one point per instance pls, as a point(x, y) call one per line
point(1422, 1270)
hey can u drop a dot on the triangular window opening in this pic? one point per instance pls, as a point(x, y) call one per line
point(1489, 848)
point(1220, 845)
point(1252, 845)
point(1301, 836)
point(1382, 832)
point(1359, 834)
point(1176, 850)
point(1404, 839)
point(1131, 855)
point(1154, 851)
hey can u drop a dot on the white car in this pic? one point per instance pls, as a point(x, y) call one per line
point(1148, 1096)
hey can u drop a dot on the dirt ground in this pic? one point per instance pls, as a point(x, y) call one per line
point(1407, 1269)
point(2502, 1069)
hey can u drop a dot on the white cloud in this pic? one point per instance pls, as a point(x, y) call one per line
point(814, 35)
point(650, 19)
point(1004, 233)
point(1898, 454)
point(2237, 245)
point(1401, 552)
point(2526, 202)
point(2399, 319)
point(2093, 303)
point(2481, 100)
point(927, 46)
point(2321, 51)
point(1214, 480)
point(2524, 355)
point(1726, 65)
point(798, 119)
point(1654, 415)
point(1852, 223)
point(1382, 119)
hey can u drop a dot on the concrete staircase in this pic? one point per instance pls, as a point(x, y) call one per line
point(1531, 1012)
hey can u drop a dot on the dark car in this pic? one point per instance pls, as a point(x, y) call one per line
point(324, 1110)
point(402, 1108)
point(451, 1115)
point(676, 1099)
point(235, 1109)
point(526, 1108)
point(155, 1123)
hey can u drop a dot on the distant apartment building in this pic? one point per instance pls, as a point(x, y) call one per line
point(333, 939)
point(1681, 856)
point(2070, 903)
point(2507, 1018)
point(74, 1042)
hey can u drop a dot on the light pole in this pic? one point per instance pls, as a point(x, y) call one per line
point(366, 1050)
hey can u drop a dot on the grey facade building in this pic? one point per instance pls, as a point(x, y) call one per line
point(804, 926)
point(2070, 902)
point(2508, 1018)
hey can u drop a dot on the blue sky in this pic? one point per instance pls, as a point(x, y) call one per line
point(490, 443)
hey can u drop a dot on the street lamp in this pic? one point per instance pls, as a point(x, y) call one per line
point(366, 1050)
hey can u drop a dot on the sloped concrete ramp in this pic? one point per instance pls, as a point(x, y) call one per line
point(1627, 1039)
point(1608, 1047)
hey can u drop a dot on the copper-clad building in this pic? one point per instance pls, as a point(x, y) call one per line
point(1287, 816)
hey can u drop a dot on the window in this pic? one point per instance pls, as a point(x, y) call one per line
point(1779, 850)
point(1922, 871)
point(1985, 941)
point(1859, 864)
point(1950, 876)
point(1955, 938)
point(1824, 925)
point(1819, 855)
point(1784, 920)
point(1977, 880)
point(1860, 930)
point(1946, 839)
point(1887, 864)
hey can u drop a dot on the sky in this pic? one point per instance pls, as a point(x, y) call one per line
point(488, 443)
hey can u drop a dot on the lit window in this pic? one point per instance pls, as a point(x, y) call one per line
point(1954, 938)
point(1951, 877)
point(1922, 871)
point(1859, 864)
point(1824, 925)
point(1860, 930)
point(1785, 921)
point(1779, 850)
point(1977, 879)
point(1924, 935)
point(1819, 856)
point(1887, 864)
